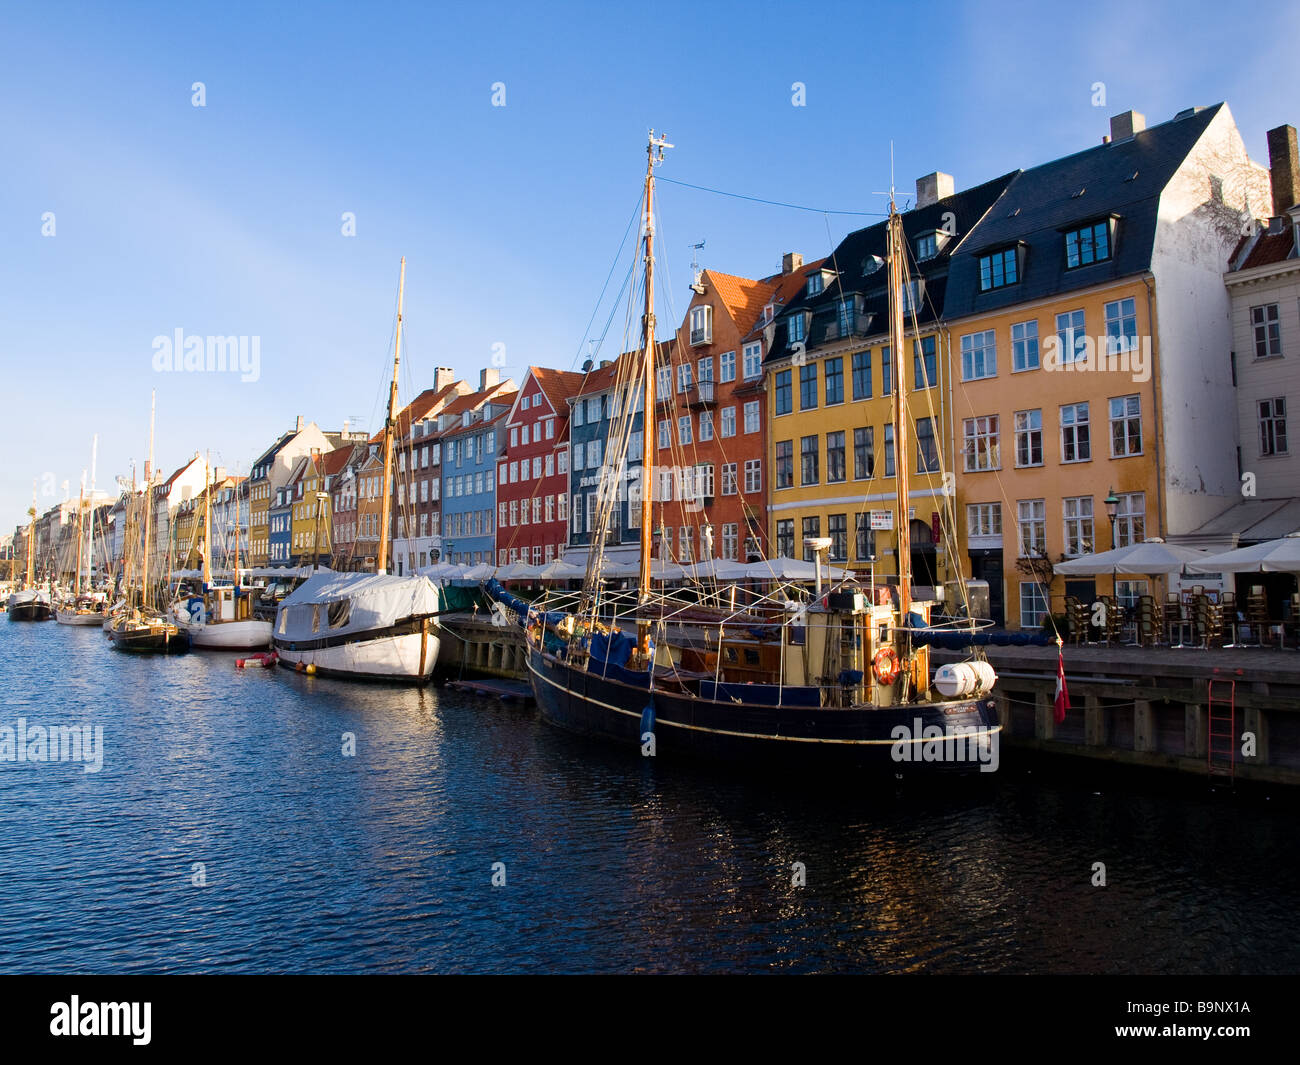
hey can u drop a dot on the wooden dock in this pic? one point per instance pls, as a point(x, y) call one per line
point(509, 691)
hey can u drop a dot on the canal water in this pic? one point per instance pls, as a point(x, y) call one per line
point(227, 831)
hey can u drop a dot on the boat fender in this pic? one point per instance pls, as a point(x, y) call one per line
point(648, 719)
point(885, 665)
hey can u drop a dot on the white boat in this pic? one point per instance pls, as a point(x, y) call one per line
point(30, 604)
point(81, 610)
point(363, 625)
point(222, 621)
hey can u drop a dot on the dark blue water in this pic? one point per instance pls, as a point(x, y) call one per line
point(383, 862)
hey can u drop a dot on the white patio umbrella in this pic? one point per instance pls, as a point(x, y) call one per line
point(560, 571)
point(1272, 556)
point(1151, 557)
point(791, 569)
point(518, 571)
point(481, 572)
point(442, 571)
point(718, 569)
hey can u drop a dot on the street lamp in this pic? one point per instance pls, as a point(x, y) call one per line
point(1112, 508)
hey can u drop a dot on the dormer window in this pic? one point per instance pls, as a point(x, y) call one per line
point(466, 418)
point(769, 312)
point(701, 325)
point(795, 327)
point(1088, 244)
point(999, 268)
point(927, 246)
point(816, 283)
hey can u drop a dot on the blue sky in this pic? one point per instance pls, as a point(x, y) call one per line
point(226, 219)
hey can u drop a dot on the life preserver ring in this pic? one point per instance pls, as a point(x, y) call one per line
point(885, 665)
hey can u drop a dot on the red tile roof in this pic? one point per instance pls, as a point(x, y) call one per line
point(1270, 248)
point(742, 296)
point(335, 461)
point(558, 385)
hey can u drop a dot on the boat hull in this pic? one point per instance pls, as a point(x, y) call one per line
point(75, 617)
point(30, 610)
point(405, 653)
point(248, 634)
point(149, 639)
point(752, 734)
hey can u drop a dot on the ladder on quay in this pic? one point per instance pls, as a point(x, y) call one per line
point(1221, 728)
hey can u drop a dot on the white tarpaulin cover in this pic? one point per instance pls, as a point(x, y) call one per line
point(335, 604)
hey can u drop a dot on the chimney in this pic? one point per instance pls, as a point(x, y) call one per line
point(443, 377)
point(933, 187)
point(345, 427)
point(488, 378)
point(298, 425)
point(1122, 127)
point(1282, 169)
point(790, 262)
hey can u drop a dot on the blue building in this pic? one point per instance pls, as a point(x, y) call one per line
point(279, 518)
point(469, 446)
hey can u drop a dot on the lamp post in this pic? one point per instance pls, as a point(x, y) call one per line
point(1112, 508)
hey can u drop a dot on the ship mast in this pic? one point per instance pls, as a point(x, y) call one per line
point(648, 414)
point(148, 506)
point(207, 524)
point(902, 528)
point(81, 503)
point(385, 515)
point(31, 528)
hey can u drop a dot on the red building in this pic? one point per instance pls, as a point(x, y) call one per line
point(533, 470)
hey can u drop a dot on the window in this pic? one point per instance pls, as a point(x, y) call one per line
point(684, 435)
point(864, 458)
point(816, 283)
point(751, 416)
point(550, 463)
point(702, 325)
point(579, 457)
point(705, 368)
point(835, 464)
point(865, 546)
point(562, 460)
point(1268, 331)
point(983, 519)
point(1131, 519)
point(979, 356)
point(687, 542)
point(1121, 326)
point(704, 480)
point(886, 370)
point(1125, 426)
point(1071, 337)
point(927, 448)
point(785, 463)
point(562, 507)
point(834, 381)
point(998, 268)
point(550, 428)
point(550, 508)
point(1033, 605)
point(809, 453)
point(784, 393)
point(706, 425)
point(1272, 426)
point(980, 444)
point(1029, 438)
point(1128, 593)
point(683, 377)
point(727, 366)
point(753, 476)
point(861, 369)
point(753, 365)
point(812, 528)
point(665, 433)
point(923, 367)
point(785, 537)
point(728, 421)
point(927, 246)
point(1075, 444)
point(1031, 516)
point(577, 413)
point(808, 386)
point(889, 451)
point(1078, 525)
point(846, 316)
point(1024, 346)
point(514, 512)
point(729, 540)
point(663, 381)
point(729, 485)
point(794, 328)
point(1090, 244)
point(837, 528)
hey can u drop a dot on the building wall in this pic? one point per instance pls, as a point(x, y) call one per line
point(469, 462)
point(546, 430)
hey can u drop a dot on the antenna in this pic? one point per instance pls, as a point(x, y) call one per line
point(696, 286)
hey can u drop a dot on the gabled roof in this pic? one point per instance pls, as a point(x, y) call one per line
point(274, 449)
point(782, 288)
point(334, 462)
point(743, 297)
point(558, 385)
point(1123, 179)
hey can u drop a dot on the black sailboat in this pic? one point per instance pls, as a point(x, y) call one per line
point(844, 682)
point(30, 603)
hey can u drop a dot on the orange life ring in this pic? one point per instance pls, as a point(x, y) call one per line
point(885, 665)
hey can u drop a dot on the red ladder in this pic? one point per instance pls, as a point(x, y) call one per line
point(1221, 737)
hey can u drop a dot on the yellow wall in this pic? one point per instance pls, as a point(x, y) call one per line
point(1047, 390)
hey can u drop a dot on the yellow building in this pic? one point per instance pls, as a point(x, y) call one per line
point(311, 512)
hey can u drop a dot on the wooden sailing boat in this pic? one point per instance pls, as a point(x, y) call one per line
point(142, 628)
point(844, 682)
point(365, 626)
point(221, 618)
point(30, 603)
point(85, 608)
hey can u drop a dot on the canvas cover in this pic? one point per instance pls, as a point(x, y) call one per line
point(336, 604)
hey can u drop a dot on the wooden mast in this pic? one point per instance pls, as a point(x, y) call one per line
point(385, 513)
point(207, 524)
point(81, 503)
point(148, 506)
point(649, 369)
point(902, 526)
point(235, 489)
point(31, 529)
